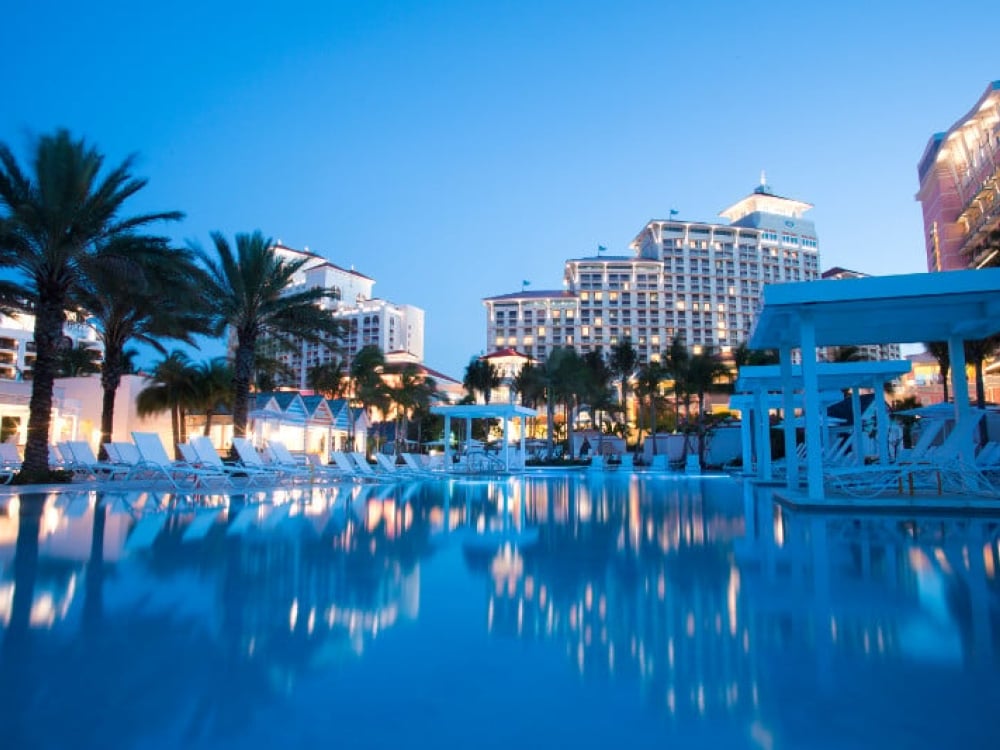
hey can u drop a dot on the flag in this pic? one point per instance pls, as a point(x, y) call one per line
point(673, 211)
point(601, 249)
point(525, 283)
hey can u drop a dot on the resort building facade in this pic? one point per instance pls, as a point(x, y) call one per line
point(701, 281)
point(391, 327)
point(17, 343)
point(959, 176)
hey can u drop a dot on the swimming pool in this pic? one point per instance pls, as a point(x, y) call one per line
point(582, 610)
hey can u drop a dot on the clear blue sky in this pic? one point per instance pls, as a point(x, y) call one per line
point(451, 149)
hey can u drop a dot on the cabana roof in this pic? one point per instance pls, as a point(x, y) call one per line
point(485, 411)
point(831, 375)
point(899, 309)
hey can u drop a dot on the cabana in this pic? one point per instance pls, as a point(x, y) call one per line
point(953, 306)
point(757, 385)
point(504, 412)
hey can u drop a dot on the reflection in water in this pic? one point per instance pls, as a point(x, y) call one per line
point(718, 610)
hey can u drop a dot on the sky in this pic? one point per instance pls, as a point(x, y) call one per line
point(452, 149)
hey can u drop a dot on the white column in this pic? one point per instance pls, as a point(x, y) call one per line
point(859, 434)
point(763, 435)
point(788, 409)
point(960, 392)
point(811, 407)
point(881, 423)
point(447, 442)
point(746, 422)
point(506, 444)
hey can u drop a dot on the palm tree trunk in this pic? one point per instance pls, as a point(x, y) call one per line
point(48, 332)
point(175, 428)
point(111, 378)
point(550, 415)
point(652, 421)
point(242, 370)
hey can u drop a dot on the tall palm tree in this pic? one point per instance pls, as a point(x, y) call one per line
point(939, 350)
point(481, 376)
point(161, 300)
point(75, 361)
point(413, 391)
point(675, 363)
point(702, 371)
point(171, 388)
point(55, 227)
point(251, 287)
point(647, 386)
point(599, 391)
point(368, 387)
point(212, 388)
point(623, 360)
point(529, 386)
point(329, 378)
point(848, 353)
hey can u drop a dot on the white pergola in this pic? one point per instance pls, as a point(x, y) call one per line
point(756, 387)
point(505, 412)
point(952, 306)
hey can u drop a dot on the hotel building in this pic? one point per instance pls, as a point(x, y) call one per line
point(398, 330)
point(959, 174)
point(17, 343)
point(701, 281)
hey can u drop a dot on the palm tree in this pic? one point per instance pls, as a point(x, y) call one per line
point(250, 287)
point(328, 378)
point(702, 371)
point(845, 354)
point(171, 388)
point(481, 376)
point(55, 227)
point(212, 388)
point(599, 391)
point(413, 391)
point(675, 362)
point(160, 301)
point(623, 361)
point(939, 350)
point(368, 387)
point(647, 386)
point(75, 361)
point(528, 385)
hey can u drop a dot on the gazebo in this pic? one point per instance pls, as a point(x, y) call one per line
point(505, 412)
point(755, 389)
point(952, 306)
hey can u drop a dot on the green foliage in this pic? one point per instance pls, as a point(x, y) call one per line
point(60, 225)
point(251, 289)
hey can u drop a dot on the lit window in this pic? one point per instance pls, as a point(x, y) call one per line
point(680, 304)
point(541, 330)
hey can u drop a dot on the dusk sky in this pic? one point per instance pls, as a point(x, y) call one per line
point(451, 149)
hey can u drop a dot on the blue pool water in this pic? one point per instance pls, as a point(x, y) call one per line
point(575, 611)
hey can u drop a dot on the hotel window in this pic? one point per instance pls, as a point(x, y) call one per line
point(541, 330)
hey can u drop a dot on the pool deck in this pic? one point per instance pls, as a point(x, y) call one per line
point(800, 500)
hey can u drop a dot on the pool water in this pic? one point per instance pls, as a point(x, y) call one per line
point(571, 610)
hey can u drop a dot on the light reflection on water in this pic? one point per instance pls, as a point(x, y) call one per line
point(585, 610)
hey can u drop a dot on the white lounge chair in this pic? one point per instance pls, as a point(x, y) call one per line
point(10, 462)
point(251, 459)
point(155, 460)
point(211, 460)
point(350, 468)
point(85, 464)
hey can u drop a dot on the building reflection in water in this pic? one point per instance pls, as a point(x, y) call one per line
point(713, 602)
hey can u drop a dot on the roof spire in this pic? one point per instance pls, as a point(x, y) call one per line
point(763, 188)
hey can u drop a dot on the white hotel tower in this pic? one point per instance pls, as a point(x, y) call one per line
point(398, 330)
point(701, 281)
